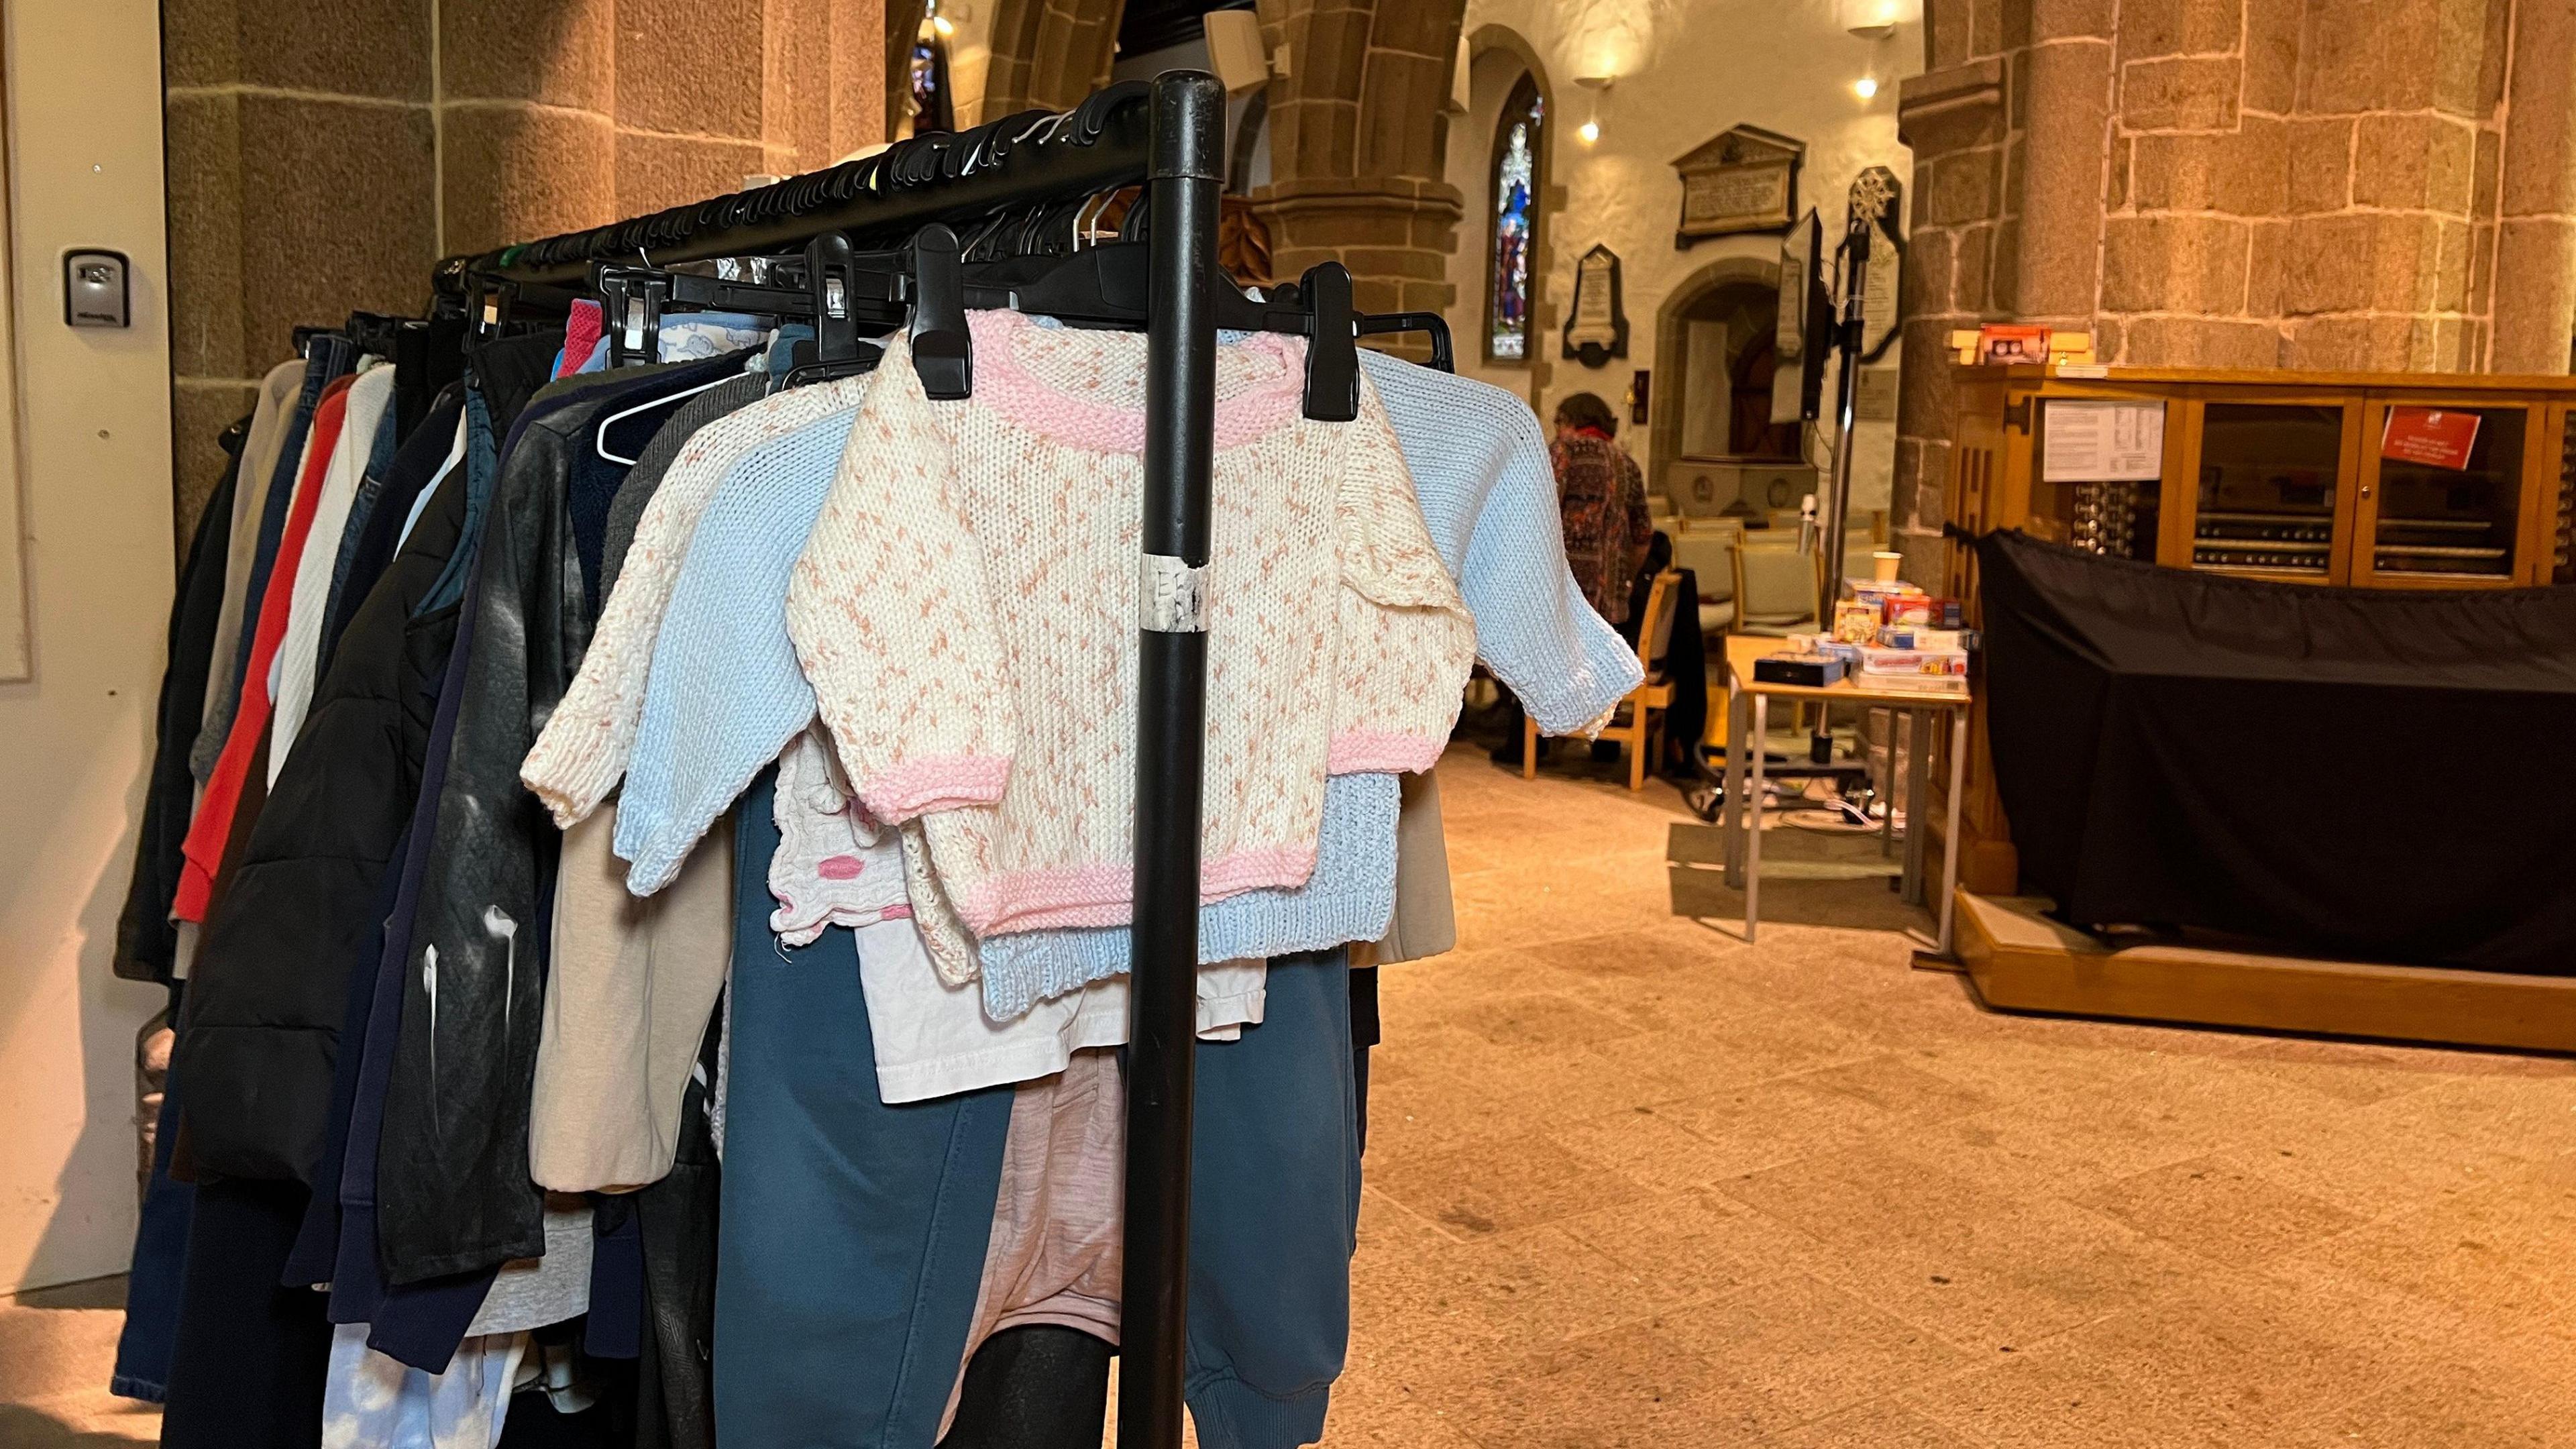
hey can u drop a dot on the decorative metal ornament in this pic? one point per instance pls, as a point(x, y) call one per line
point(1878, 199)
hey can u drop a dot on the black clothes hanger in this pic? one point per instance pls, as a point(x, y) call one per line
point(633, 299)
point(943, 351)
point(842, 288)
point(1332, 353)
point(1379, 324)
point(1109, 286)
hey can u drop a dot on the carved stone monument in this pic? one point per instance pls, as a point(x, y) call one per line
point(1740, 180)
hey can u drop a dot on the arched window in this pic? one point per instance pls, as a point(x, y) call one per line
point(1519, 140)
point(931, 107)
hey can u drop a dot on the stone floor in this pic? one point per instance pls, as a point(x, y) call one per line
point(1632, 1182)
point(57, 1347)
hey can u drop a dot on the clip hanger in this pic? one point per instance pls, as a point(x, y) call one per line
point(943, 351)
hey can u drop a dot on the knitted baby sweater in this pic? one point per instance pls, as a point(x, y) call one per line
point(723, 694)
point(932, 1036)
point(1349, 897)
point(582, 751)
point(1480, 468)
point(966, 611)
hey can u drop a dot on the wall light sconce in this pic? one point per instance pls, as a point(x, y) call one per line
point(1872, 19)
point(1866, 87)
point(1590, 130)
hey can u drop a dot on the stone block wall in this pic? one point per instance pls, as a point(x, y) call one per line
point(1358, 142)
point(323, 154)
point(2380, 185)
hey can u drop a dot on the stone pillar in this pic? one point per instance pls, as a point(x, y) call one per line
point(302, 186)
point(322, 156)
point(2533, 280)
point(2374, 185)
point(1048, 54)
point(570, 113)
point(1961, 263)
point(1358, 136)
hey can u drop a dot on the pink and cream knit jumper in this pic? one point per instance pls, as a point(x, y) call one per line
point(966, 611)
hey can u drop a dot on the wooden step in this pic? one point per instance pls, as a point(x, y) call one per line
point(2020, 960)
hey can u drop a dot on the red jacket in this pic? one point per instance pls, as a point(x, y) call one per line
point(213, 826)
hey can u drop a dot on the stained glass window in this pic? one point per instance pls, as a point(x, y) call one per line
point(1518, 142)
point(930, 107)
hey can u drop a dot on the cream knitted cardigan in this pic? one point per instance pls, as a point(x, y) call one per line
point(966, 610)
point(582, 752)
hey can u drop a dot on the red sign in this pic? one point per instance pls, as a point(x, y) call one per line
point(2434, 437)
point(1997, 342)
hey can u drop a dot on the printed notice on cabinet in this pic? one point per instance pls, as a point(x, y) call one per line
point(2102, 442)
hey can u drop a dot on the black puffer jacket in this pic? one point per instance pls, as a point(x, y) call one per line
point(261, 1025)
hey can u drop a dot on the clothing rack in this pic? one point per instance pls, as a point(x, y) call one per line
point(1168, 135)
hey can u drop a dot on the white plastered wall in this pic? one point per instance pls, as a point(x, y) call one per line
point(92, 471)
point(1683, 71)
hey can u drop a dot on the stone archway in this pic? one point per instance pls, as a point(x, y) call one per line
point(1497, 57)
point(1048, 54)
point(1358, 125)
point(1664, 436)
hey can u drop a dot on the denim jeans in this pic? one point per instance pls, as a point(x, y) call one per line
point(160, 1257)
point(1274, 1213)
point(851, 1237)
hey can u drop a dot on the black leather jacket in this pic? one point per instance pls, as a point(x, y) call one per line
point(453, 1191)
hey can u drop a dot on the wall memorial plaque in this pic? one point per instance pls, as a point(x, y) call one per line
point(1598, 330)
point(1741, 180)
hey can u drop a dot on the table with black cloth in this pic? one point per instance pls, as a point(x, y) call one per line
point(2367, 774)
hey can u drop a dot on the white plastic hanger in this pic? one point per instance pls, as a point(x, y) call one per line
point(600, 442)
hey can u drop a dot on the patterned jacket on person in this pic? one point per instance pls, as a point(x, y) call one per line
point(1602, 497)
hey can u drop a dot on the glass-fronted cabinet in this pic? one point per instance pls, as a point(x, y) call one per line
point(2264, 490)
point(2369, 480)
point(2443, 495)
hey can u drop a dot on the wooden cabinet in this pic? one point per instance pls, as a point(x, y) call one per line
point(2285, 475)
point(2275, 475)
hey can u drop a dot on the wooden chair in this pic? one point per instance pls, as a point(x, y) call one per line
point(1639, 721)
point(1775, 590)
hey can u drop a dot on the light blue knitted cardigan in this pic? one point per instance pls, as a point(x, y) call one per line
point(1481, 471)
point(724, 693)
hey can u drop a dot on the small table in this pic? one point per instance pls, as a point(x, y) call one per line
point(1744, 768)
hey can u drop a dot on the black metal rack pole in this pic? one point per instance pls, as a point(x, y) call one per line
point(1186, 170)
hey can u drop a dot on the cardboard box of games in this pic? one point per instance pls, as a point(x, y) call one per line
point(1944, 662)
point(1846, 650)
point(1932, 669)
point(1879, 603)
point(1919, 636)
